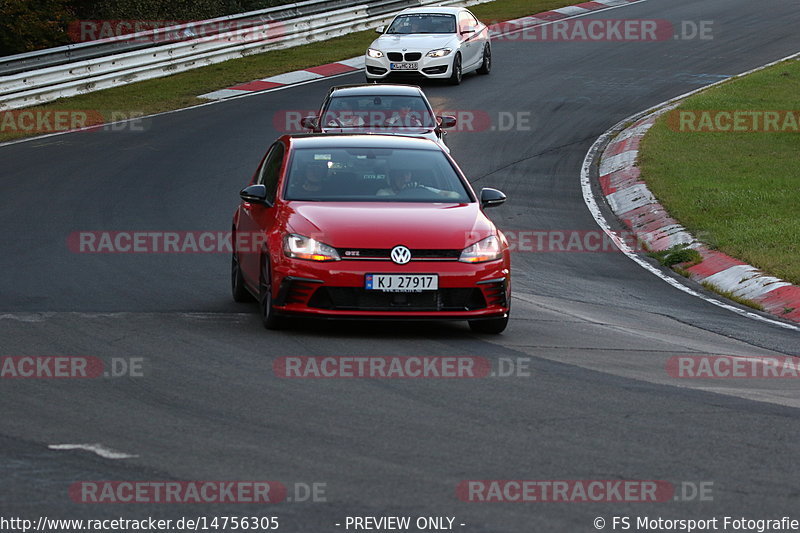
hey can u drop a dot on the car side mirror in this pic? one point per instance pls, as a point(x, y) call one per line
point(310, 122)
point(446, 121)
point(255, 194)
point(491, 197)
point(380, 29)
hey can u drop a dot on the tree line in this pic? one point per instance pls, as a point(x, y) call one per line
point(27, 25)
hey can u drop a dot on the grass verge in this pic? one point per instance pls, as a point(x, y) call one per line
point(730, 296)
point(676, 255)
point(741, 189)
point(181, 90)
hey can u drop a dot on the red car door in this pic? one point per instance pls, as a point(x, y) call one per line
point(256, 220)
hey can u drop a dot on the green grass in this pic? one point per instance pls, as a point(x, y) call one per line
point(676, 255)
point(181, 90)
point(500, 10)
point(740, 189)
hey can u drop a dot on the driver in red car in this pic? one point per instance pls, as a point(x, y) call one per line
point(402, 180)
point(313, 178)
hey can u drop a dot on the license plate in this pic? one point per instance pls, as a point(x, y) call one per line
point(404, 66)
point(402, 282)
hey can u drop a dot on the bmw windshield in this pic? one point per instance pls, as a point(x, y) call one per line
point(423, 23)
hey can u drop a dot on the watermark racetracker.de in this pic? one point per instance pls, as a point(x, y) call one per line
point(69, 367)
point(588, 30)
point(31, 121)
point(169, 242)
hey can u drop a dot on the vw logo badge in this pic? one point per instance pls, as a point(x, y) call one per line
point(401, 255)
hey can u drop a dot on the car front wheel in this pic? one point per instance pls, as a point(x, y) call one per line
point(238, 289)
point(268, 316)
point(455, 77)
point(486, 66)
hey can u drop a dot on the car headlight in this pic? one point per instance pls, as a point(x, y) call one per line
point(302, 247)
point(441, 52)
point(484, 250)
point(371, 52)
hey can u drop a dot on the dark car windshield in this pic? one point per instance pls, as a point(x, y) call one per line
point(374, 175)
point(376, 112)
point(423, 23)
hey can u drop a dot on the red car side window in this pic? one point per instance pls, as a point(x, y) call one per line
point(270, 172)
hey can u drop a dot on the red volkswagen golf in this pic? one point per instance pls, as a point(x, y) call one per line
point(368, 226)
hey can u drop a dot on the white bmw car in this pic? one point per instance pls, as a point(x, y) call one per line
point(430, 42)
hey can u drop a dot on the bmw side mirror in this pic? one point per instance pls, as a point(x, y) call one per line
point(380, 29)
point(255, 194)
point(446, 121)
point(309, 122)
point(491, 197)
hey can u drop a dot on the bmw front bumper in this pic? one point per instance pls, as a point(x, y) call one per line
point(427, 67)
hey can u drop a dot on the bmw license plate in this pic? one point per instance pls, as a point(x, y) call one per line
point(404, 66)
point(402, 282)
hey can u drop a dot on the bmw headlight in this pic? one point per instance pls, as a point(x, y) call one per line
point(484, 250)
point(371, 52)
point(441, 52)
point(302, 247)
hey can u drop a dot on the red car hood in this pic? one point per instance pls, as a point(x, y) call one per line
point(384, 225)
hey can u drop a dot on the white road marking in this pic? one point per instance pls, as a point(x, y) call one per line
point(614, 163)
point(293, 77)
point(572, 10)
point(222, 93)
point(98, 449)
point(355, 62)
point(748, 281)
point(630, 198)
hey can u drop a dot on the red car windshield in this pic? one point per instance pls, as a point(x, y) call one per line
point(373, 175)
point(377, 112)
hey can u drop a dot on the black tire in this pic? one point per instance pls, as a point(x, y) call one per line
point(486, 66)
point(268, 316)
point(493, 326)
point(238, 288)
point(455, 77)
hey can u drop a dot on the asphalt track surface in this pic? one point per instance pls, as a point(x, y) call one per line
point(597, 328)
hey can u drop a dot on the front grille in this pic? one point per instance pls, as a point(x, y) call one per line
point(394, 56)
point(384, 254)
point(413, 56)
point(359, 299)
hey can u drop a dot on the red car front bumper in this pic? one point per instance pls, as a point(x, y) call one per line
point(337, 289)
